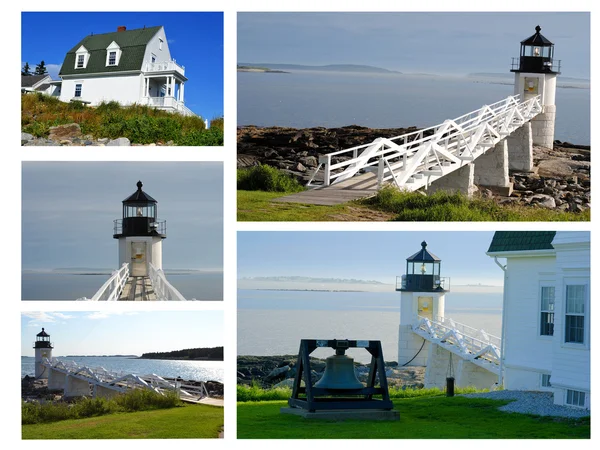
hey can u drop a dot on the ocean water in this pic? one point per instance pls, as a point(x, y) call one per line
point(273, 322)
point(188, 370)
point(305, 99)
point(70, 286)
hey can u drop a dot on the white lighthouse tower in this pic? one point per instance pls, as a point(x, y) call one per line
point(140, 233)
point(422, 296)
point(43, 349)
point(535, 74)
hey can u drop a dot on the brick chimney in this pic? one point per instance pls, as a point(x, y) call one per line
point(121, 28)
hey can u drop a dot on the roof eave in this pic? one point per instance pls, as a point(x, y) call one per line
point(522, 253)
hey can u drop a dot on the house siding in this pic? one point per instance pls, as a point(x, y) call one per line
point(154, 47)
point(126, 89)
point(525, 362)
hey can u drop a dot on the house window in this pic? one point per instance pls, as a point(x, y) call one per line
point(78, 90)
point(160, 43)
point(575, 314)
point(575, 398)
point(547, 311)
point(153, 58)
point(546, 380)
point(112, 58)
point(80, 61)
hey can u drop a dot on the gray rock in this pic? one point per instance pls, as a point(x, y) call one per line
point(26, 137)
point(300, 168)
point(278, 373)
point(544, 201)
point(119, 142)
point(103, 140)
point(309, 161)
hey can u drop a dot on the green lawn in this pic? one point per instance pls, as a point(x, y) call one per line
point(420, 418)
point(190, 421)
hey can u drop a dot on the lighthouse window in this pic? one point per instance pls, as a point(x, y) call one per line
point(575, 314)
point(547, 311)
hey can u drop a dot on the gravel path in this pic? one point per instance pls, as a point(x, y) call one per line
point(527, 402)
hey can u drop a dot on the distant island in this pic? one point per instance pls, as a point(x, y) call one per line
point(101, 356)
point(258, 69)
point(307, 290)
point(303, 279)
point(325, 68)
point(190, 354)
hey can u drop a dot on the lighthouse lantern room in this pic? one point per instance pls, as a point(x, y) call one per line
point(422, 291)
point(43, 349)
point(535, 74)
point(140, 233)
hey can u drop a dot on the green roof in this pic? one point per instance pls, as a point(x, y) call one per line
point(512, 241)
point(133, 45)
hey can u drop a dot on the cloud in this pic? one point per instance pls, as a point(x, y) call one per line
point(98, 315)
point(41, 317)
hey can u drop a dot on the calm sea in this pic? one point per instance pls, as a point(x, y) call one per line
point(69, 286)
point(188, 370)
point(310, 99)
point(273, 322)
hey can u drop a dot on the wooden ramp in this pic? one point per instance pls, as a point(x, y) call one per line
point(360, 186)
point(138, 289)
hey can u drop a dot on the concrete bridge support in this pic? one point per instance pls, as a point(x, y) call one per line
point(469, 374)
point(438, 365)
point(542, 127)
point(409, 345)
point(465, 372)
point(101, 391)
point(74, 387)
point(56, 379)
point(520, 149)
point(460, 180)
point(491, 169)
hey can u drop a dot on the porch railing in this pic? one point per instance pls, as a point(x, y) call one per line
point(164, 66)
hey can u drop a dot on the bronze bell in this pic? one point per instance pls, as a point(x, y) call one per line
point(339, 373)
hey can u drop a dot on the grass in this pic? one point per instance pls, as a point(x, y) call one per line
point(135, 400)
point(391, 205)
point(139, 123)
point(255, 393)
point(420, 418)
point(189, 421)
point(266, 178)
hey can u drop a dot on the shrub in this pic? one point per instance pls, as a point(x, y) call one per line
point(255, 393)
point(217, 123)
point(266, 178)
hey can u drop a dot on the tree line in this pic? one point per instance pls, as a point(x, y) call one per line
point(213, 353)
point(40, 69)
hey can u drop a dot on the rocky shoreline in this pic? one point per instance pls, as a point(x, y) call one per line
point(279, 371)
point(70, 135)
point(560, 179)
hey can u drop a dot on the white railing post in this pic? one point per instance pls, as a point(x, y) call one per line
point(327, 171)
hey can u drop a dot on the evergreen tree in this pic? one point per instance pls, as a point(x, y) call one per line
point(26, 69)
point(40, 69)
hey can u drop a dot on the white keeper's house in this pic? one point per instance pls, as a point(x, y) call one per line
point(127, 66)
point(546, 312)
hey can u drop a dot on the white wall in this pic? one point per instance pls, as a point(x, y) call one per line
point(154, 47)
point(525, 349)
point(126, 89)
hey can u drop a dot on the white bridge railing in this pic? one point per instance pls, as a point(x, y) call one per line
point(112, 288)
point(162, 288)
point(414, 160)
point(469, 343)
point(123, 381)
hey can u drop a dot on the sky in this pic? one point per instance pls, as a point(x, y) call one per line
point(123, 333)
point(68, 210)
point(454, 43)
point(363, 255)
point(195, 41)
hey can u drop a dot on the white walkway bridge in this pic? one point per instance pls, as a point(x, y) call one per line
point(123, 286)
point(77, 381)
point(422, 158)
point(468, 344)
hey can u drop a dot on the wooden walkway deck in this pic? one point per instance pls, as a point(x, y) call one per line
point(138, 289)
point(359, 186)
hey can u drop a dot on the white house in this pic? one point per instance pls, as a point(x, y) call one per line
point(127, 66)
point(546, 312)
point(40, 83)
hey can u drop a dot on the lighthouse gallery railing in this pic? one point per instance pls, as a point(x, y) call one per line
point(163, 289)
